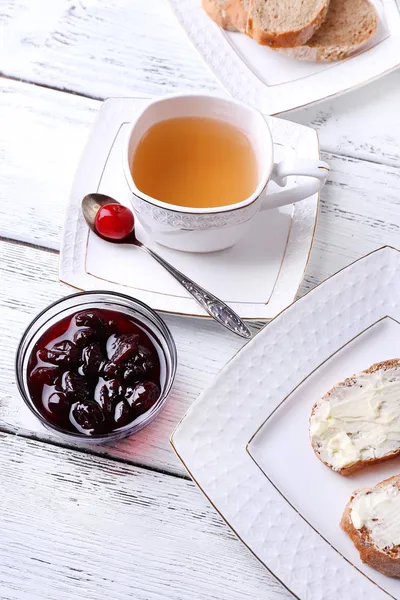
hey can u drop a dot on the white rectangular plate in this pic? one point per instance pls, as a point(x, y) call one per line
point(245, 441)
point(259, 276)
point(275, 83)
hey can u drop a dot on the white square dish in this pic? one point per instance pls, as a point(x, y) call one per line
point(282, 448)
point(275, 83)
point(281, 501)
point(258, 277)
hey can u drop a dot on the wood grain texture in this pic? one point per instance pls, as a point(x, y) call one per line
point(82, 527)
point(28, 283)
point(359, 212)
point(42, 135)
point(364, 123)
point(101, 49)
point(135, 47)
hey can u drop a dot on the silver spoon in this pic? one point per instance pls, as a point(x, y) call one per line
point(215, 307)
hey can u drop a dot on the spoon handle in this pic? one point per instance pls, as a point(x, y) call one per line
point(215, 307)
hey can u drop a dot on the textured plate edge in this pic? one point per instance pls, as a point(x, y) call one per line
point(381, 319)
point(222, 516)
point(197, 402)
point(251, 81)
point(221, 372)
point(286, 398)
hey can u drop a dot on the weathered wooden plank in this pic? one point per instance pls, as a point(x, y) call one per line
point(42, 135)
point(28, 283)
point(359, 212)
point(101, 49)
point(78, 526)
point(136, 47)
point(362, 124)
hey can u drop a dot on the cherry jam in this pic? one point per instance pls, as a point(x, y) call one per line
point(93, 372)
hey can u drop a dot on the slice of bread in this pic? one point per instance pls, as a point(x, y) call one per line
point(229, 14)
point(349, 25)
point(372, 521)
point(276, 23)
point(285, 23)
point(357, 423)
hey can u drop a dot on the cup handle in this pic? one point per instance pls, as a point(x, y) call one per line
point(316, 170)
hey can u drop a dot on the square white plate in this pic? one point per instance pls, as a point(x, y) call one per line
point(258, 277)
point(275, 83)
point(282, 448)
point(245, 440)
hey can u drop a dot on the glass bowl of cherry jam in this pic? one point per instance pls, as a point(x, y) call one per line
point(96, 366)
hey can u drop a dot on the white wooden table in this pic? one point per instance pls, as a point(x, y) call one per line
point(125, 521)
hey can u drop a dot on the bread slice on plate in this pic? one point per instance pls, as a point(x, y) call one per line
point(372, 521)
point(349, 25)
point(276, 23)
point(229, 14)
point(284, 24)
point(357, 423)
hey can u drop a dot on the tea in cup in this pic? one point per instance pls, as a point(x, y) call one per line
point(198, 168)
point(195, 162)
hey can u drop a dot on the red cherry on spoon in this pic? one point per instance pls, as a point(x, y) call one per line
point(114, 221)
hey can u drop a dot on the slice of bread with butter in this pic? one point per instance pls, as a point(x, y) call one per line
point(357, 423)
point(372, 521)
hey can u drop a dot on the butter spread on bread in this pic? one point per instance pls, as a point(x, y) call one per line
point(372, 521)
point(358, 421)
point(379, 512)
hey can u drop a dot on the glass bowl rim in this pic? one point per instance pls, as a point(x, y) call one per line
point(128, 429)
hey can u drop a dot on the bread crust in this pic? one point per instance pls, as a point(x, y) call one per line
point(369, 554)
point(228, 14)
point(319, 53)
point(231, 15)
point(287, 39)
point(316, 50)
point(361, 464)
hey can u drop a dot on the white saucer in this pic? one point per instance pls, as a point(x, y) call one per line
point(259, 277)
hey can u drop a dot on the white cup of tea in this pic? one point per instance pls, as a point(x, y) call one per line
point(162, 158)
